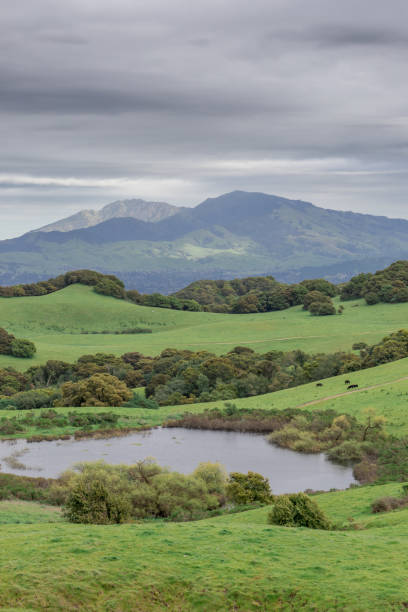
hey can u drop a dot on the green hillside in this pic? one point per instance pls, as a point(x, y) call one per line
point(235, 562)
point(55, 322)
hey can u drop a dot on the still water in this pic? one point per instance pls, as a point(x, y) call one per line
point(181, 450)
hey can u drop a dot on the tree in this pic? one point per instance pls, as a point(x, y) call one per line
point(248, 488)
point(314, 296)
point(97, 390)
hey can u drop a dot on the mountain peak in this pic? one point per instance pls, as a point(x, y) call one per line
point(135, 208)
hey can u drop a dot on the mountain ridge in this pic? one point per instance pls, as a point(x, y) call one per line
point(233, 235)
point(134, 207)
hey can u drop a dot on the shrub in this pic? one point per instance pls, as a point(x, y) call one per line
point(23, 348)
point(322, 308)
point(385, 504)
point(297, 510)
point(34, 399)
point(97, 390)
point(248, 488)
point(347, 452)
point(92, 502)
point(138, 401)
point(101, 493)
point(215, 478)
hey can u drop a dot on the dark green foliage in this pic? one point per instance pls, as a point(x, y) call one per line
point(10, 345)
point(108, 286)
point(248, 488)
point(23, 348)
point(5, 342)
point(31, 400)
point(297, 510)
point(388, 285)
point(83, 277)
point(252, 294)
point(322, 308)
point(12, 382)
point(138, 401)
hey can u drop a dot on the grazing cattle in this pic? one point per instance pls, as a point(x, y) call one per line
point(352, 387)
point(346, 382)
point(319, 384)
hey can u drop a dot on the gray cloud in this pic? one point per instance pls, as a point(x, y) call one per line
point(178, 101)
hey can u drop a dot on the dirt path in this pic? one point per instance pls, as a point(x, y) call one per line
point(330, 397)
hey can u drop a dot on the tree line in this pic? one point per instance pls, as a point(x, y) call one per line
point(182, 376)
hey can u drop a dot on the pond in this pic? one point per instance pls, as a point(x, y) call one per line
point(181, 450)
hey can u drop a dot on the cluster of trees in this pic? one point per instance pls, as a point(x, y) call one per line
point(185, 377)
point(389, 285)
point(246, 295)
point(103, 283)
point(252, 294)
point(17, 347)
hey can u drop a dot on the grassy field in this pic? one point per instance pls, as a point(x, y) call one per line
point(233, 562)
point(55, 322)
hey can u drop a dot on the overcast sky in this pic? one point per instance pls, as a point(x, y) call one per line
point(179, 100)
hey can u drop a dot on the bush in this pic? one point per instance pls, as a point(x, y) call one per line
point(104, 494)
point(297, 510)
point(138, 401)
point(34, 399)
point(248, 488)
point(97, 390)
point(92, 502)
point(322, 308)
point(23, 348)
point(386, 504)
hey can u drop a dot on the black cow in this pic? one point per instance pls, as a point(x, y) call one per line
point(346, 382)
point(352, 387)
point(319, 384)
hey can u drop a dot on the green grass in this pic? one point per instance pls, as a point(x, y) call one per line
point(233, 562)
point(54, 322)
point(22, 512)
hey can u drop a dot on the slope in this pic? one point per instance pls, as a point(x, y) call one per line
point(227, 563)
point(56, 323)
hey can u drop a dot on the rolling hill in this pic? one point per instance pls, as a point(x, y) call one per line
point(56, 323)
point(235, 234)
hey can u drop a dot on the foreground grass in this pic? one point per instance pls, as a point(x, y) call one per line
point(55, 322)
point(234, 562)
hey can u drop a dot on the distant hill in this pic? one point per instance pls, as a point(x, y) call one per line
point(135, 208)
point(237, 234)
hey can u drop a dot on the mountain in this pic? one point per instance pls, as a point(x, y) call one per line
point(135, 208)
point(234, 235)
